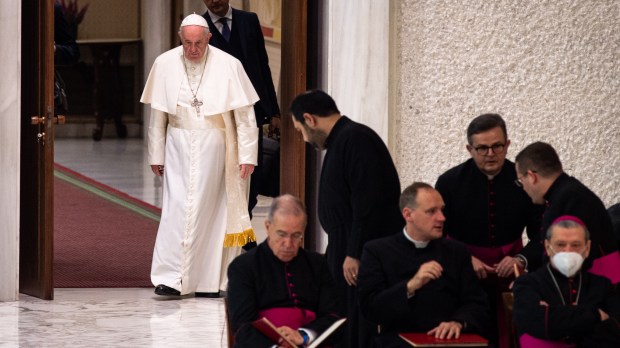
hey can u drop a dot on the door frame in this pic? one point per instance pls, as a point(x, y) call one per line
point(37, 150)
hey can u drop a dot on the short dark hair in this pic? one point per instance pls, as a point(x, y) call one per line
point(287, 204)
point(315, 102)
point(410, 194)
point(539, 157)
point(483, 123)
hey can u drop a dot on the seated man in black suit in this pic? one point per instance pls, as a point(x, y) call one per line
point(560, 301)
point(280, 281)
point(417, 281)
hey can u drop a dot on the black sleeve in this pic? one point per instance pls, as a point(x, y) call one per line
point(550, 322)
point(474, 309)
point(369, 185)
point(265, 71)
point(242, 304)
point(328, 303)
point(534, 250)
point(380, 302)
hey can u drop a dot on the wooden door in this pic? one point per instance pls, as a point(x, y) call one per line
point(37, 149)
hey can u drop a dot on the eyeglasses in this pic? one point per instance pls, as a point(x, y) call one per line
point(483, 149)
point(518, 180)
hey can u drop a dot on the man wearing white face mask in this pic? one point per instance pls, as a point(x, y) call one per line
point(561, 305)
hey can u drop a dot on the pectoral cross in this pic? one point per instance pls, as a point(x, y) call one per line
point(197, 104)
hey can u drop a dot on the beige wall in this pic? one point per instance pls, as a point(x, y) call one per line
point(551, 68)
point(110, 19)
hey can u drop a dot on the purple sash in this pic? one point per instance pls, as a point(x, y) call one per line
point(607, 266)
point(493, 255)
point(292, 317)
point(528, 341)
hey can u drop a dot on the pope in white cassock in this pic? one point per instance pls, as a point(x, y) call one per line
point(203, 139)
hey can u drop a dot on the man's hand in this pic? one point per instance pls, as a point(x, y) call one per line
point(480, 267)
point(246, 170)
point(157, 169)
point(291, 335)
point(274, 126)
point(427, 272)
point(447, 330)
point(349, 269)
point(506, 267)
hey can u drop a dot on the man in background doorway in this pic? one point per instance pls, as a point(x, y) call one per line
point(239, 33)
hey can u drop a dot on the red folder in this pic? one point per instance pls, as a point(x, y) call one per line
point(424, 340)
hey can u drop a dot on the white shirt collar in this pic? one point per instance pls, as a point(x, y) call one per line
point(418, 244)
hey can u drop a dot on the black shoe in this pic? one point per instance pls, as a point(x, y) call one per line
point(207, 294)
point(163, 290)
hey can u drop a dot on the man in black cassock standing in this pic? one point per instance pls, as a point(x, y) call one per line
point(359, 190)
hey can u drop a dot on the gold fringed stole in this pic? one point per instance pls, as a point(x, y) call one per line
point(239, 239)
point(239, 229)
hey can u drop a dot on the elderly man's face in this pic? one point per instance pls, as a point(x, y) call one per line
point(568, 240)
point(219, 7)
point(426, 221)
point(195, 40)
point(488, 149)
point(285, 235)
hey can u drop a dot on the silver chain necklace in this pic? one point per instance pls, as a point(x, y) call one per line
point(195, 102)
point(558, 287)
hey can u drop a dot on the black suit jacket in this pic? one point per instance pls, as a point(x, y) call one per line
point(248, 45)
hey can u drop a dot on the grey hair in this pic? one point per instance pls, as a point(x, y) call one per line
point(567, 224)
point(287, 204)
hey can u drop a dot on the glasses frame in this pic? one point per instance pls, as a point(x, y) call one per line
point(518, 179)
point(495, 149)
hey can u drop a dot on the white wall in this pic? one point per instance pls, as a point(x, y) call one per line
point(358, 54)
point(551, 68)
point(10, 87)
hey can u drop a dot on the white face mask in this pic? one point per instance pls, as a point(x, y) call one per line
point(567, 262)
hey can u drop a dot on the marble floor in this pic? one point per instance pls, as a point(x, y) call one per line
point(112, 318)
point(116, 317)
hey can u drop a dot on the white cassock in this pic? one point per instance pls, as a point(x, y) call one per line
point(204, 218)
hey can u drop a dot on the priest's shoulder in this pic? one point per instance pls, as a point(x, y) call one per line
point(457, 171)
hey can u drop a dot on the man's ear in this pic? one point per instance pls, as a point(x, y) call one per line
point(469, 149)
point(507, 144)
point(587, 250)
point(407, 213)
point(309, 120)
point(547, 247)
point(267, 224)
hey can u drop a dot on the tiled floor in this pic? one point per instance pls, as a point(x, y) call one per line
point(116, 317)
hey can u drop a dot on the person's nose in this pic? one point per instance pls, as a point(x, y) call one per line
point(441, 217)
point(288, 242)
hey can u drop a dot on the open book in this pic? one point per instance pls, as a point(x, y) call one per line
point(268, 329)
point(424, 340)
